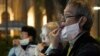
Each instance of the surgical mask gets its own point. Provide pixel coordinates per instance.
(70, 32)
(45, 38)
(24, 41)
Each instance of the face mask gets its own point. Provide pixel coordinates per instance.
(70, 32)
(44, 38)
(24, 41)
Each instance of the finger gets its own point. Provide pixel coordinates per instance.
(54, 31)
(57, 33)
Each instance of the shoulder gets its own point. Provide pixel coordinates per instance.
(91, 46)
(14, 48)
(11, 52)
(90, 49)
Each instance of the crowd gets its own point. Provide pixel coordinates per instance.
(69, 38)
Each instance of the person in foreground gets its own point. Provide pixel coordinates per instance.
(77, 23)
(25, 46)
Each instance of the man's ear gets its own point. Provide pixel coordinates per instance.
(82, 21)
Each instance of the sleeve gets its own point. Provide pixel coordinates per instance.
(52, 51)
(12, 52)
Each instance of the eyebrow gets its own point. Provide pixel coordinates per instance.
(68, 13)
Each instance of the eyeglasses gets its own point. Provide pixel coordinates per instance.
(65, 17)
(76, 16)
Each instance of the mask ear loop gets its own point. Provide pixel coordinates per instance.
(82, 21)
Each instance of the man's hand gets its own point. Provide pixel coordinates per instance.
(55, 37)
(41, 46)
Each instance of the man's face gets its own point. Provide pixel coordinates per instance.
(69, 15)
(70, 24)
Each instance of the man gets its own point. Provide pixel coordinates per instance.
(46, 39)
(26, 45)
(77, 24)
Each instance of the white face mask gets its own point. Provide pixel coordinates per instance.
(44, 36)
(24, 41)
(70, 32)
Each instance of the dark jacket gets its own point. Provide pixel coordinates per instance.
(84, 46)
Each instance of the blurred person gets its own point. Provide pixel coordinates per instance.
(78, 20)
(25, 46)
(46, 39)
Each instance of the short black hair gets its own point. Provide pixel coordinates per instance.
(30, 30)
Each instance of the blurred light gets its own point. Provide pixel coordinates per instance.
(31, 17)
(0, 20)
(11, 32)
(9, 11)
(1, 11)
(44, 19)
(96, 8)
(11, 14)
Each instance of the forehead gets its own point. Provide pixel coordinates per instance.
(69, 10)
(26, 33)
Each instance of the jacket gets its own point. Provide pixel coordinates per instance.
(19, 51)
(85, 45)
